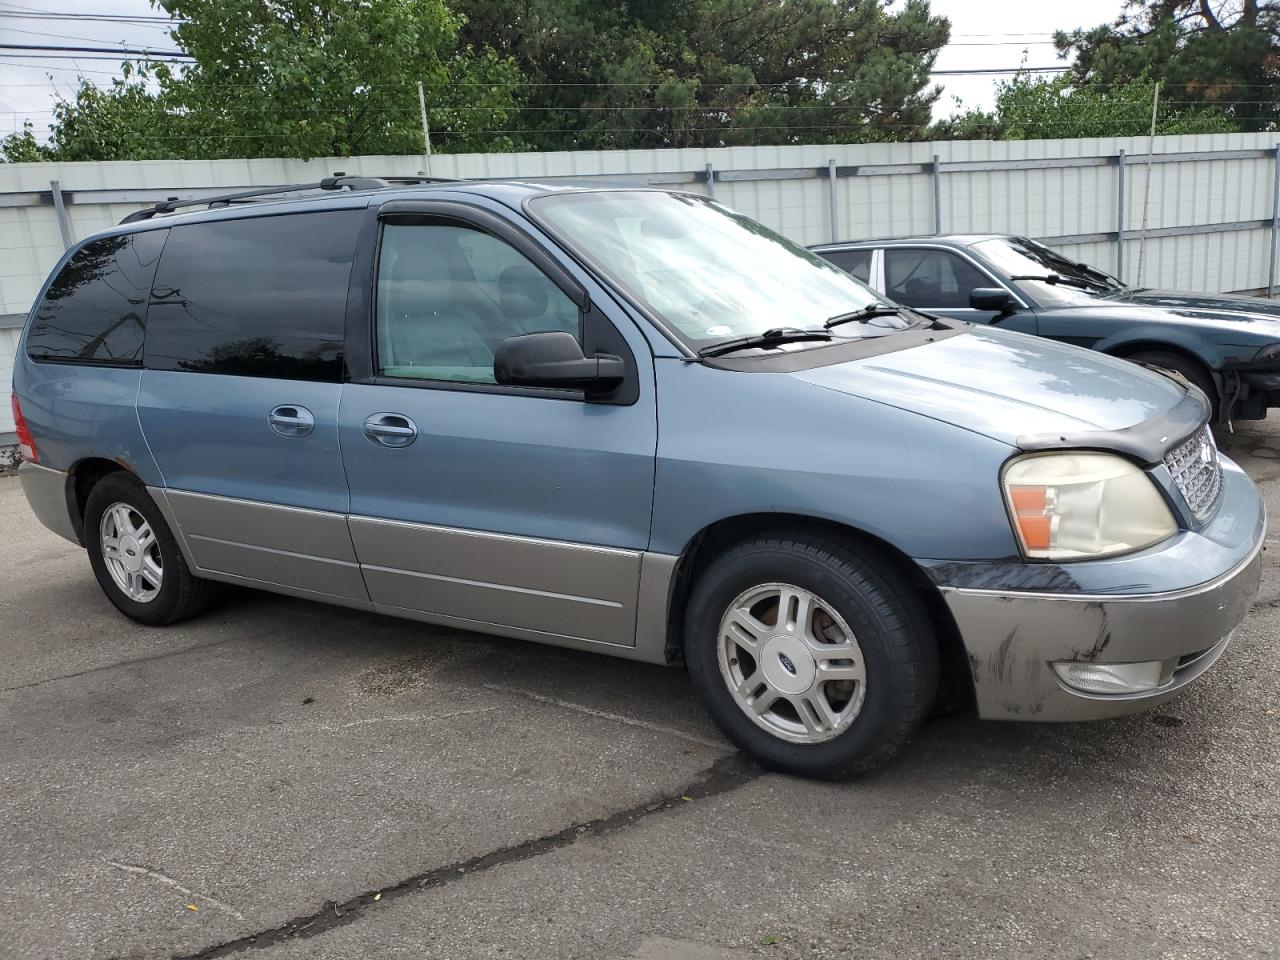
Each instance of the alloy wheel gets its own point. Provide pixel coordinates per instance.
(131, 552)
(791, 663)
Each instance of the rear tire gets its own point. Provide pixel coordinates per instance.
(1196, 374)
(763, 688)
(135, 557)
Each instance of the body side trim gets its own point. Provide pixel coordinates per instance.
(519, 582)
(489, 585)
(297, 530)
(645, 655)
(161, 496)
(524, 587)
(653, 605)
(288, 591)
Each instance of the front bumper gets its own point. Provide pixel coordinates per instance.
(1014, 636)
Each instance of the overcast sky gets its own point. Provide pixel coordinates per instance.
(985, 34)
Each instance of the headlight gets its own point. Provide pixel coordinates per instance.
(1070, 505)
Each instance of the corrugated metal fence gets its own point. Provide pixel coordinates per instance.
(1208, 202)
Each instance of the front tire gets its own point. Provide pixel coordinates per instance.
(135, 557)
(810, 655)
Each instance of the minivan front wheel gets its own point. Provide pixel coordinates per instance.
(135, 557)
(810, 655)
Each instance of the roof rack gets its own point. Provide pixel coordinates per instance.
(339, 181)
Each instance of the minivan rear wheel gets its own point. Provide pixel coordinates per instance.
(135, 557)
(810, 655)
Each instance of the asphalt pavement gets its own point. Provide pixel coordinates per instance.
(281, 779)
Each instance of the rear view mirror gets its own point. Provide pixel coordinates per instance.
(554, 359)
(992, 298)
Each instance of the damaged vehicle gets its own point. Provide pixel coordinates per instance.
(1228, 346)
(634, 422)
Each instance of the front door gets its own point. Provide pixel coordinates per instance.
(513, 510)
(239, 398)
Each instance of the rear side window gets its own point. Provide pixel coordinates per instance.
(96, 307)
(260, 297)
(857, 262)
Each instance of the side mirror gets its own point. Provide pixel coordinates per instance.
(554, 359)
(992, 298)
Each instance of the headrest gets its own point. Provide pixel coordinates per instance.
(522, 292)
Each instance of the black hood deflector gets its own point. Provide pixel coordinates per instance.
(1146, 442)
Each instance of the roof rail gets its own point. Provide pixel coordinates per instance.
(339, 181)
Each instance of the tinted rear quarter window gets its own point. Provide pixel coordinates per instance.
(258, 297)
(95, 309)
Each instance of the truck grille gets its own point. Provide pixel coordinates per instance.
(1197, 472)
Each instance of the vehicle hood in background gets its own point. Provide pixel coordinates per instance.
(1006, 385)
(1250, 316)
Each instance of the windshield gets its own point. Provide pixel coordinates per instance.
(1018, 256)
(709, 274)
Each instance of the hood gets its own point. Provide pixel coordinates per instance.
(1006, 385)
(1247, 316)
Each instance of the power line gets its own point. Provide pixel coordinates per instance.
(55, 36)
(60, 49)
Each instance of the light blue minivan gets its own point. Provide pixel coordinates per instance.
(635, 422)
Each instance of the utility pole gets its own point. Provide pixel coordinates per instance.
(426, 127)
(1146, 190)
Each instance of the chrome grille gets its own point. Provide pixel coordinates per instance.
(1197, 472)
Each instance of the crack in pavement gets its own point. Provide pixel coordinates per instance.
(616, 717)
(170, 882)
(728, 773)
(122, 663)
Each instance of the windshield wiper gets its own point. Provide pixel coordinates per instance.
(1056, 278)
(770, 338)
(869, 312)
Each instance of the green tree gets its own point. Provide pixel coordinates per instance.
(1033, 108)
(657, 73)
(291, 78)
(318, 78)
(1220, 55)
(125, 121)
(22, 146)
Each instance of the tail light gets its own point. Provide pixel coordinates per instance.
(26, 443)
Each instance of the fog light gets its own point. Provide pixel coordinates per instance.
(1113, 678)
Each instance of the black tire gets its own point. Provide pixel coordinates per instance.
(1192, 370)
(889, 623)
(181, 595)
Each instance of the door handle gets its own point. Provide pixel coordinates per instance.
(291, 420)
(391, 429)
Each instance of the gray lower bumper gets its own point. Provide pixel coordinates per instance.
(1013, 638)
(46, 491)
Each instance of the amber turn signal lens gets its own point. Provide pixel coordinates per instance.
(1028, 501)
